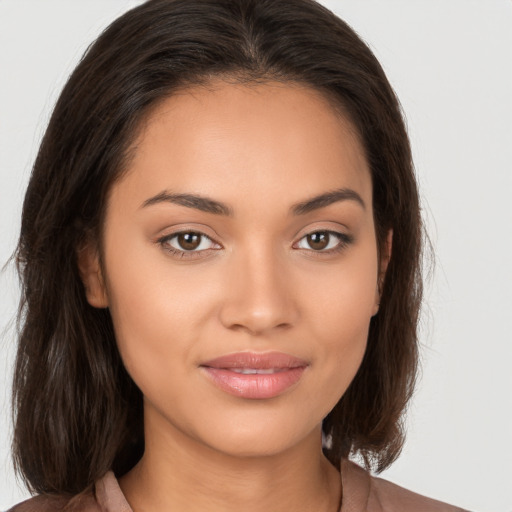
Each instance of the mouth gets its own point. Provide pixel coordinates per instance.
(255, 376)
(257, 371)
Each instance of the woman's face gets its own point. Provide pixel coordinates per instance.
(240, 265)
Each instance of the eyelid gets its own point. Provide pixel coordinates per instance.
(182, 254)
(344, 241)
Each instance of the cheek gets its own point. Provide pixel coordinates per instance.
(342, 297)
(342, 306)
(154, 320)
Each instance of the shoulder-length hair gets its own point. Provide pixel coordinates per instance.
(77, 412)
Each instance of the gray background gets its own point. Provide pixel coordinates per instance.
(450, 62)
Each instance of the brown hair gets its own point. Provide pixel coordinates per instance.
(77, 412)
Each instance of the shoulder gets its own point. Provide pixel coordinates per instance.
(365, 493)
(106, 496)
(84, 503)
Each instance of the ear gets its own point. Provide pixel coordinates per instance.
(385, 256)
(92, 278)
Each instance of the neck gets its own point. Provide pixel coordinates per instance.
(180, 474)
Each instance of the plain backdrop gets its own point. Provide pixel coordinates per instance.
(450, 62)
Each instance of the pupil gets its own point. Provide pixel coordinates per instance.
(318, 240)
(189, 241)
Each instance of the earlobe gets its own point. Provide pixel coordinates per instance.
(92, 278)
(385, 257)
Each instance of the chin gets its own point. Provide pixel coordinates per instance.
(264, 436)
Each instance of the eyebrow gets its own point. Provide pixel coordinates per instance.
(208, 205)
(205, 204)
(326, 199)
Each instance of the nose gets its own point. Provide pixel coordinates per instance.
(259, 295)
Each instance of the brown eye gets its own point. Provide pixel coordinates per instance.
(325, 241)
(318, 240)
(189, 241)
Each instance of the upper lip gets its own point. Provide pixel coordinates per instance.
(256, 360)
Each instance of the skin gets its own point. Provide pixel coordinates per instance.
(255, 284)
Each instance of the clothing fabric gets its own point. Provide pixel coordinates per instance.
(361, 493)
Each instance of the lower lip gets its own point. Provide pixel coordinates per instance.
(254, 386)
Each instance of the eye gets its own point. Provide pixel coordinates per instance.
(186, 242)
(324, 241)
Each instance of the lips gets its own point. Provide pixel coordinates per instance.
(255, 376)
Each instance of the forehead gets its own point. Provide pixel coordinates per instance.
(225, 138)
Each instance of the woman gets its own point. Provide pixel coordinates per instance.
(220, 260)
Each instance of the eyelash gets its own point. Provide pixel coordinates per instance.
(344, 241)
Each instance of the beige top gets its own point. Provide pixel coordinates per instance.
(361, 493)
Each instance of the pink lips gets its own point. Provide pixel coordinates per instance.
(255, 376)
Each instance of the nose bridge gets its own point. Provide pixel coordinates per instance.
(258, 297)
